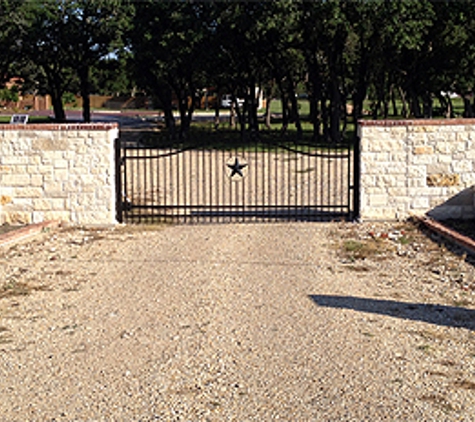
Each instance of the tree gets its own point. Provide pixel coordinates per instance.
(325, 30)
(8, 31)
(387, 51)
(46, 44)
(66, 39)
(169, 42)
(452, 43)
(15, 19)
(280, 52)
(94, 29)
(112, 76)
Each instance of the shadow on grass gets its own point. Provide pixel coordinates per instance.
(204, 138)
(442, 315)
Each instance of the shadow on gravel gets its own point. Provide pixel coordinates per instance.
(449, 316)
(456, 227)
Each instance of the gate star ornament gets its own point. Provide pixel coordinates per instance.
(236, 167)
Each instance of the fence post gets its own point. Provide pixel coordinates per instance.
(356, 178)
(118, 181)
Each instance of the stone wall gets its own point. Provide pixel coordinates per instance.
(57, 172)
(414, 167)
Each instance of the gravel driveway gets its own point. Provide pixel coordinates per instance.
(294, 322)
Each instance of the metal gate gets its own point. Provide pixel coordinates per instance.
(258, 181)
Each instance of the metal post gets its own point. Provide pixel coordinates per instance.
(356, 178)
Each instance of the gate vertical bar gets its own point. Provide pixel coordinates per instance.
(145, 185)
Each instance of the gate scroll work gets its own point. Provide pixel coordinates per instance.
(259, 181)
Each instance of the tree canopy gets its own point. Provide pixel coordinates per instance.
(351, 58)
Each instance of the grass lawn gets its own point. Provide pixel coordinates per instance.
(5, 118)
(203, 136)
(304, 107)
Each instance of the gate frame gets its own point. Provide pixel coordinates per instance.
(122, 205)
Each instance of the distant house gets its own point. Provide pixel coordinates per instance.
(24, 101)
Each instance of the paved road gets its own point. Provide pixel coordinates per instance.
(130, 118)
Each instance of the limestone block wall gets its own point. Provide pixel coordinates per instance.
(417, 167)
(57, 172)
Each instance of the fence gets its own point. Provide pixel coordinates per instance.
(67, 172)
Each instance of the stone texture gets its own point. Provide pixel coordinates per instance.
(423, 149)
(443, 180)
(43, 166)
(414, 167)
(5, 199)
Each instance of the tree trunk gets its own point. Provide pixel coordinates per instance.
(190, 109)
(285, 108)
(268, 113)
(216, 111)
(56, 99)
(239, 113)
(335, 110)
(386, 107)
(170, 121)
(415, 105)
(393, 101)
(314, 88)
(184, 121)
(285, 113)
(295, 111)
(164, 95)
(86, 102)
(57, 102)
(443, 105)
(232, 116)
(428, 106)
(325, 120)
(252, 109)
(467, 107)
(450, 108)
(405, 109)
(357, 112)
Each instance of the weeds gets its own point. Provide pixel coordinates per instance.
(465, 384)
(5, 335)
(439, 400)
(14, 288)
(364, 249)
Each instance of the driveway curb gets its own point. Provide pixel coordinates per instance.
(451, 235)
(15, 236)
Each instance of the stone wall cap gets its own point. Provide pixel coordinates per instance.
(59, 126)
(417, 122)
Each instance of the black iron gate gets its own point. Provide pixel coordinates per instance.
(258, 181)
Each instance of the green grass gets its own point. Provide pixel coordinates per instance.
(457, 104)
(304, 108)
(5, 118)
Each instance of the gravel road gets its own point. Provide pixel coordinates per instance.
(293, 322)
